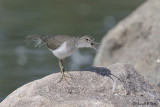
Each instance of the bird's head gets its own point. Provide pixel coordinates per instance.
(86, 42)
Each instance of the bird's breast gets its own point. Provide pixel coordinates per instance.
(64, 51)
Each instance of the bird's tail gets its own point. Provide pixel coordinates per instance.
(40, 40)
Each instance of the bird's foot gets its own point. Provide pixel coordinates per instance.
(64, 77)
(70, 76)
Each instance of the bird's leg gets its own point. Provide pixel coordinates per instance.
(61, 66)
(62, 71)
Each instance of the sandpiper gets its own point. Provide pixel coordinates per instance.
(63, 46)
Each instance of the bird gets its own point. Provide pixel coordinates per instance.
(63, 46)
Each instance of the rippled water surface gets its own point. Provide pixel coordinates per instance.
(21, 63)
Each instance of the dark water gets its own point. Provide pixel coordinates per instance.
(21, 63)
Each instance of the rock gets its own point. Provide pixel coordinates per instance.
(135, 41)
(90, 88)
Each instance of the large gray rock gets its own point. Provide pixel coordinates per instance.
(90, 88)
(135, 41)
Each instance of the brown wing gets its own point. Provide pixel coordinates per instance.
(55, 41)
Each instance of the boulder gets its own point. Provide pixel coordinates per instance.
(94, 87)
(136, 41)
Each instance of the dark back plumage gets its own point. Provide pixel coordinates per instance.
(52, 42)
(55, 41)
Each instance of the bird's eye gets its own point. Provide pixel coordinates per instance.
(86, 39)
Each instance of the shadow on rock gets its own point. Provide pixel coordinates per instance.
(101, 71)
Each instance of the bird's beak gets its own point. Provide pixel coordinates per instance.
(93, 43)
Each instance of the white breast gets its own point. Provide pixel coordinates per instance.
(63, 51)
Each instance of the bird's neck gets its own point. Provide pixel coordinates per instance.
(78, 43)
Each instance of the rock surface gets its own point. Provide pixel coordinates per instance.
(135, 41)
(90, 88)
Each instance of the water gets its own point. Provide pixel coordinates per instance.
(21, 63)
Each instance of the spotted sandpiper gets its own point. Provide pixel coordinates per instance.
(63, 46)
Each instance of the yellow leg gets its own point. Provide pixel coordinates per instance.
(61, 66)
(62, 71)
